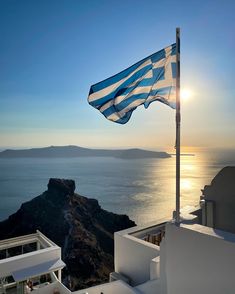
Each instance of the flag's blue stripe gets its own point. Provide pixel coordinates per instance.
(123, 104)
(161, 91)
(129, 100)
(112, 80)
(158, 56)
(137, 80)
(173, 50)
(158, 74)
(158, 93)
(129, 81)
(107, 112)
(162, 100)
(119, 107)
(126, 117)
(118, 77)
(173, 69)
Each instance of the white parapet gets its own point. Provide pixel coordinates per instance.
(133, 256)
(197, 259)
(155, 268)
(117, 287)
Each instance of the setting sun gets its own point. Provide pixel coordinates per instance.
(185, 94)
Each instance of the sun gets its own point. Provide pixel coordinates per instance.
(185, 94)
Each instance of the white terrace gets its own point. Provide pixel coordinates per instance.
(191, 259)
(27, 257)
(159, 258)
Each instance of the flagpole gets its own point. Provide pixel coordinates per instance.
(177, 119)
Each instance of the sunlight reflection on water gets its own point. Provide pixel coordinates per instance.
(144, 189)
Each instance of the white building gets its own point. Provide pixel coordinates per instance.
(157, 258)
(32, 257)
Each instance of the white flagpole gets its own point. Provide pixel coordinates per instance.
(178, 119)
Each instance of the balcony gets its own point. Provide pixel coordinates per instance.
(32, 257)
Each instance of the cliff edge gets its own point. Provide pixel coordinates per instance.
(77, 224)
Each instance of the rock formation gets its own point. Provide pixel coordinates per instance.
(77, 224)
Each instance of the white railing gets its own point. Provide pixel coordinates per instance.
(133, 257)
(52, 288)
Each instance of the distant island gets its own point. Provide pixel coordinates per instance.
(76, 151)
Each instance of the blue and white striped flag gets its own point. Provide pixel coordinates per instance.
(151, 79)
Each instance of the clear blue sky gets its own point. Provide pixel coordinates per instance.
(52, 51)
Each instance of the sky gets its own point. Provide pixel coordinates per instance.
(51, 52)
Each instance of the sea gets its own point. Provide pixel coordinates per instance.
(144, 189)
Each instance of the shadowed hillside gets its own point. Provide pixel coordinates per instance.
(77, 224)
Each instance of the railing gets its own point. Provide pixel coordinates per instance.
(152, 234)
(52, 288)
(135, 248)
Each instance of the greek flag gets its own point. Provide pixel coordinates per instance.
(151, 79)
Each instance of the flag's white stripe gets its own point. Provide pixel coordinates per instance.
(113, 117)
(148, 75)
(138, 90)
(99, 94)
(163, 84)
(149, 82)
(119, 99)
(159, 63)
(134, 104)
(168, 51)
(168, 69)
(117, 115)
(170, 97)
(168, 79)
(109, 89)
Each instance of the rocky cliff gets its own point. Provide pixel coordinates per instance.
(78, 224)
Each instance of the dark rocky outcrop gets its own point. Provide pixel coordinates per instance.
(78, 224)
(221, 193)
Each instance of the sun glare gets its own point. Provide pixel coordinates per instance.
(185, 94)
(186, 184)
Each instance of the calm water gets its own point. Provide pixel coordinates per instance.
(144, 189)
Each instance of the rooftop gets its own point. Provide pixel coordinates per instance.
(27, 257)
(157, 258)
(24, 244)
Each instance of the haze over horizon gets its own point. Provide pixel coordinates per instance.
(53, 51)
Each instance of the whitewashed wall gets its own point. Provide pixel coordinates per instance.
(198, 260)
(132, 257)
